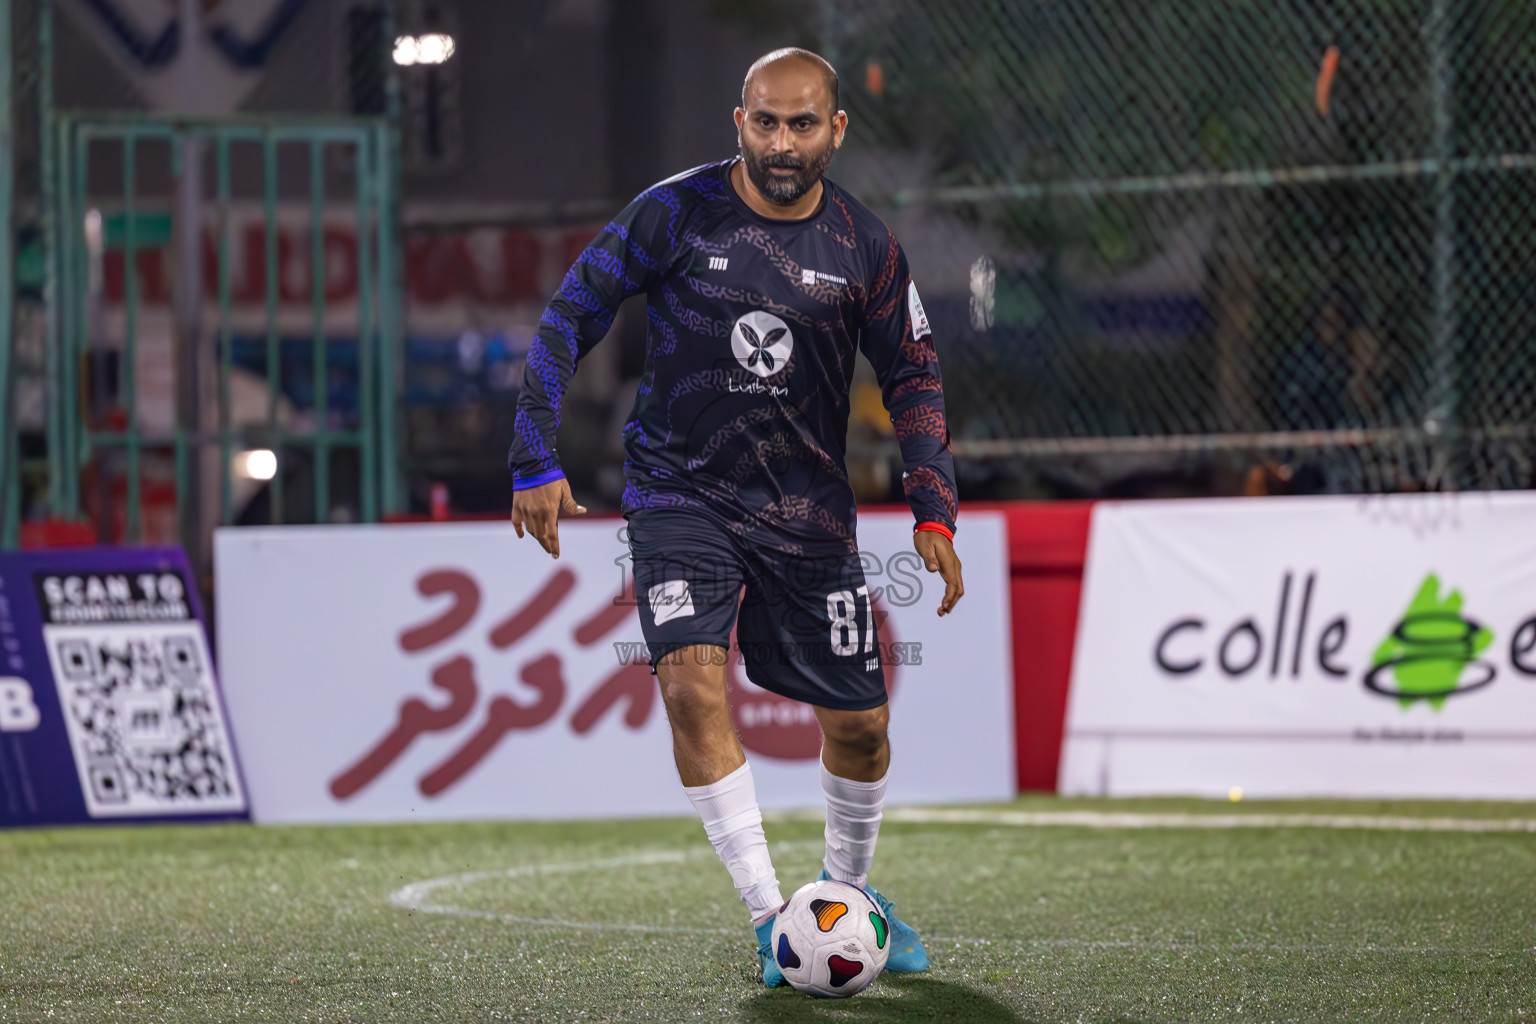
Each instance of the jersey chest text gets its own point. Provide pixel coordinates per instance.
(751, 268)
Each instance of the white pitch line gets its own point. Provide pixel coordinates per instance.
(419, 896)
(1132, 820)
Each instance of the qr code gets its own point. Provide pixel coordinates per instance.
(144, 719)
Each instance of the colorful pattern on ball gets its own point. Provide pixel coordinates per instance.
(843, 970)
(830, 939)
(827, 912)
(881, 929)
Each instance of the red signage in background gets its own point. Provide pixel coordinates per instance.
(494, 266)
(456, 677)
(770, 725)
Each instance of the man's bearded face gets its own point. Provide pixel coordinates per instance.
(785, 177)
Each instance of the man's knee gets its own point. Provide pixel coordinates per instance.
(857, 733)
(692, 687)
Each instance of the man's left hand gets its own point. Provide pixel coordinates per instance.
(939, 556)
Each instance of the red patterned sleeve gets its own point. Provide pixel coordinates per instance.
(899, 345)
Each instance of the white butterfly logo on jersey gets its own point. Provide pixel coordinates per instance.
(762, 343)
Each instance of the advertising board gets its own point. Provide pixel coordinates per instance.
(452, 671)
(109, 705)
(1334, 646)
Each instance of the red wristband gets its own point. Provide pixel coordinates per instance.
(935, 528)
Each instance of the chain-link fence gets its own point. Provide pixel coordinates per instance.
(1277, 245)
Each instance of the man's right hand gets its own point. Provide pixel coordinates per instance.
(540, 510)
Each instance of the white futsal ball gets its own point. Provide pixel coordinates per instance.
(831, 939)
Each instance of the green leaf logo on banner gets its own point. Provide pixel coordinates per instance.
(1429, 651)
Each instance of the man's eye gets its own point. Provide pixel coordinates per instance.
(765, 122)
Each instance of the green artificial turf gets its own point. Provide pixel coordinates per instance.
(1024, 923)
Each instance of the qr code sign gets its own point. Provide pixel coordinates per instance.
(144, 719)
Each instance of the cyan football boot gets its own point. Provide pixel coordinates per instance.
(772, 976)
(907, 954)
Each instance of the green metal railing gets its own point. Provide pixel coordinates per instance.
(75, 436)
(65, 198)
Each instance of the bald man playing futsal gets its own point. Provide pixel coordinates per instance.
(764, 280)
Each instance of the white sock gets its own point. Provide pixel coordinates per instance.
(734, 825)
(853, 824)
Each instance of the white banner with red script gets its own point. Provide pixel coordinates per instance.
(452, 671)
(1330, 646)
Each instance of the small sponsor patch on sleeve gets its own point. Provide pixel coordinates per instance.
(915, 307)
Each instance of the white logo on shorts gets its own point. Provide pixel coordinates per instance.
(671, 600)
(762, 343)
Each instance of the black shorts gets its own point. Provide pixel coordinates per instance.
(807, 630)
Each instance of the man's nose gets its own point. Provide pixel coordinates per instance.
(783, 140)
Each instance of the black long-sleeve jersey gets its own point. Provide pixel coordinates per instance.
(753, 323)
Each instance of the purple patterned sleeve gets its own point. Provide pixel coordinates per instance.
(899, 345)
(626, 258)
